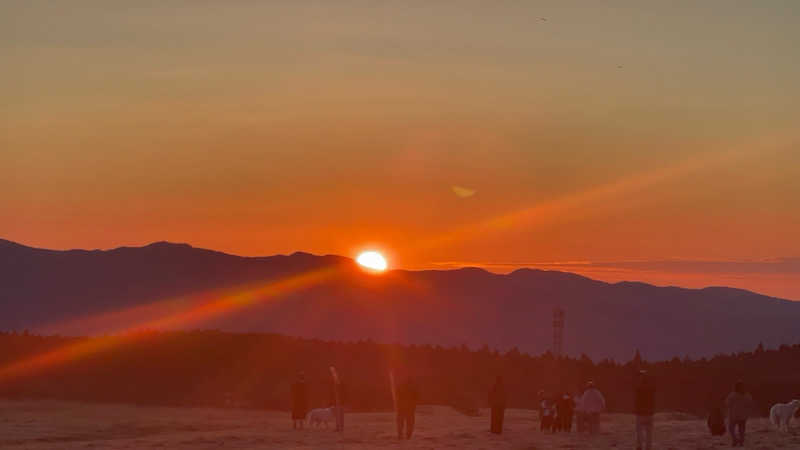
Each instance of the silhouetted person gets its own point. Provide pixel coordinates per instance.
(716, 421)
(556, 424)
(497, 401)
(565, 408)
(739, 404)
(593, 403)
(337, 398)
(299, 401)
(540, 397)
(580, 415)
(407, 398)
(548, 412)
(644, 408)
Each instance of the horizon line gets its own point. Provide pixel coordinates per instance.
(460, 265)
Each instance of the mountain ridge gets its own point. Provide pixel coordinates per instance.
(466, 306)
(300, 253)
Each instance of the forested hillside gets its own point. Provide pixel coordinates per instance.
(255, 371)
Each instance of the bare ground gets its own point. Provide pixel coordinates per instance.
(70, 425)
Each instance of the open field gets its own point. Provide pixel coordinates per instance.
(68, 425)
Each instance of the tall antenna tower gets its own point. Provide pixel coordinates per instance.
(558, 331)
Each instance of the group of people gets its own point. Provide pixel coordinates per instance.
(737, 408)
(555, 412)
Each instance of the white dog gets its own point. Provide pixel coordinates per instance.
(320, 415)
(781, 413)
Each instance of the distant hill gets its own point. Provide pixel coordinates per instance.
(53, 291)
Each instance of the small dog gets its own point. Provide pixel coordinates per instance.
(781, 413)
(319, 416)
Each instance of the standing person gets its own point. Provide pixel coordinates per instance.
(497, 401)
(716, 421)
(299, 401)
(556, 427)
(565, 409)
(547, 412)
(407, 398)
(738, 403)
(540, 396)
(338, 393)
(644, 408)
(593, 403)
(580, 416)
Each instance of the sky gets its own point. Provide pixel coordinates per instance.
(623, 140)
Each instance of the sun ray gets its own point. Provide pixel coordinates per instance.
(196, 310)
(560, 209)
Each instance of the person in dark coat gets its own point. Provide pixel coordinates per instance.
(644, 408)
(407, 398)
(716, 421)
(497, 401)
(555, 425)
(299, 401)
(565, 408)
(739, 405)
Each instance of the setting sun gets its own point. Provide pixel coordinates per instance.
(372, 260)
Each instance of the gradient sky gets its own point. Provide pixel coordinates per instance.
(654, 142)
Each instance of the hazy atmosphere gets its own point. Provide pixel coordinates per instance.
(424, 224)
(656, 144)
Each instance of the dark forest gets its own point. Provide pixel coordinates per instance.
(212, 368)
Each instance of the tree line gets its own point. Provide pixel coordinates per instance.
(214, 368)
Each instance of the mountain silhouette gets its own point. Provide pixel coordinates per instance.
(79, 291)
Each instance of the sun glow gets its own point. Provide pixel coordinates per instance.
(372, 260)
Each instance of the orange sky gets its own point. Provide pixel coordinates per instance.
(615, 135)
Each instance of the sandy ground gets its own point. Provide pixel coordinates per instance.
(67, 425)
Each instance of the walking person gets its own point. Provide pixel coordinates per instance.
(644, 408)
(407, 398)
(593, 403)
(299, 401)
(497, 401)
(739, 405)
(338, 393)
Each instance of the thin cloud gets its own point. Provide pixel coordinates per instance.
(463, 192)
(782, 265)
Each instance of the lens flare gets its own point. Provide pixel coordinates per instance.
(179, 313)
